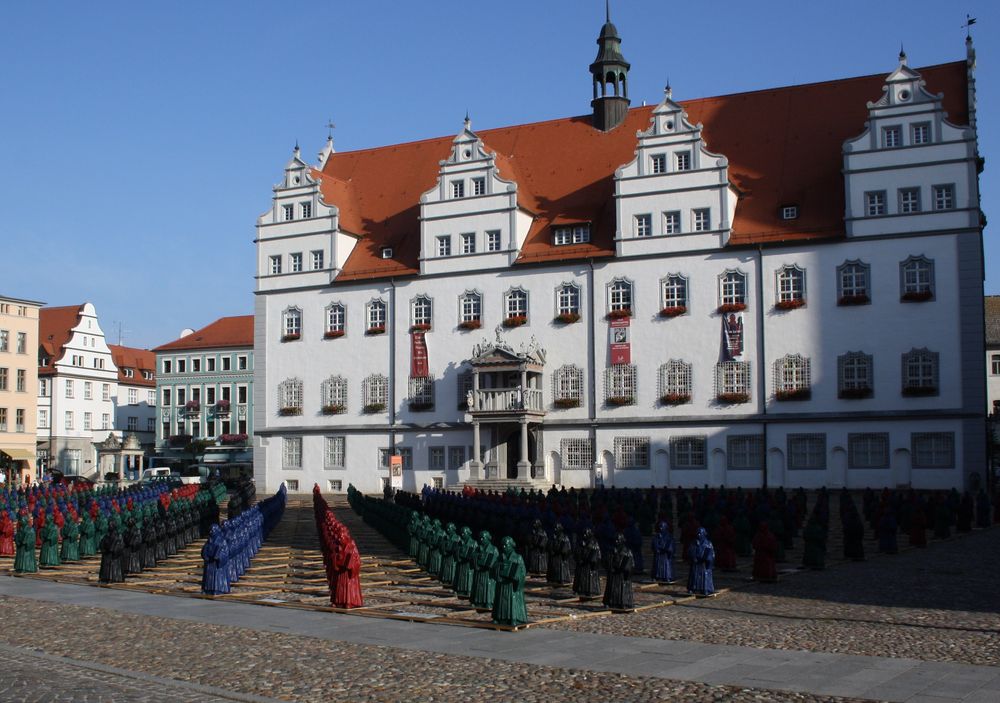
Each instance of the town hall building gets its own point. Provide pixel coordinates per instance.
(780, 287)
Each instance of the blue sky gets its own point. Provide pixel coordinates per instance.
(141, 139)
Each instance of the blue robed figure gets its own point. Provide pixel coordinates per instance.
(663, 553)
(702, 554)
(215, 578)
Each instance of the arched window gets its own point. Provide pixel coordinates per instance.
(568, 302)
(470, 310)
(854, 375)
(791, 378)
(290, 397)
(567, 387)
(620, 296)
(291, 324)
(791, 287)
(916, 278)
(732, 291)
(336, 320)
(920, 372)
(853, 283)
(674, 289)
(732, 381)
(333, 394)
(675, 382)
(376, 317)
(421, 312)
(515, 307)
(375, 393)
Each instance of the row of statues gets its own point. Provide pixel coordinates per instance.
(341, 558)
(232, 545)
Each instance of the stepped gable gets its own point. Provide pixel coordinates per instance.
(54, 331)
(784, 145)
(225, 332)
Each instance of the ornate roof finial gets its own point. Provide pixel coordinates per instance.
(468, 122)
(969, 21)
(296, 149)
(668, 92)
(902, 54)
(607, 10)
(330, 126)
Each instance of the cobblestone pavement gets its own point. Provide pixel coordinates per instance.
(289, 667)
(936, 604)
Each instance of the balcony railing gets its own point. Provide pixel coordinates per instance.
(506, 400)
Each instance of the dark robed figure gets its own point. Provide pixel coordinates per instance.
(618, 592)
(449, 546)
(587, 580)
(88, 545)
(560, 550)
(24, 558)
(70, 550)
(483, 581)
(765, 550)
(538, 558)
(112, 548)
(466, 563)
(49, 553)
(663, 553)
(702, 556)
(508, 604)
(215, 577)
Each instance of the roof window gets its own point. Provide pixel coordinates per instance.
(386, 252)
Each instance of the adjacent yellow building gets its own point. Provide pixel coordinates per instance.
(18, 388)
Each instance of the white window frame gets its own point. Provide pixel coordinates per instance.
(875, 203)
(674, 381)
(920, 133)
(933, 450)
(790, 284)
(421, 391)
(443, 246)
(916, 276)
(658, 164)
(921, 371)
(892, 137)
(632, 453)
(275, 266)
(568, 299)
(567, 385)
(733, 287)
(792, 374)
(733, 377)
(855, 374)
(683, 160)
(620, 384)
(306, 209)
(944, 196)
(333, 392)
(295, 262)
(493, 242)
(854, 281)
(673, 291)
(375, 391)
(643, 225)
(468, 240)
(744, 452)
(457, 189)
(335, 452)
(515, 303)
(672, 222)
(909, 201)
(421, 311)
(288, 212)
(336, 318)
(701, 219)
(290, 394)
(291, 323)
(790, 212)
(470, 306)
(375, 314)
(316, 256)
(571, 234)
(291, 453)
(621, 295)
(478, 185)
(576, 453)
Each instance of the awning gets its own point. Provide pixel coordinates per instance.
(19, 454)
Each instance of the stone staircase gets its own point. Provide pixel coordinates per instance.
(502, 484)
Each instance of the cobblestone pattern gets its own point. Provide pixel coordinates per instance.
(28, 677)
(935, 604)
(296, 668)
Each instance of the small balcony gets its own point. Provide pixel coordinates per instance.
(507, 401)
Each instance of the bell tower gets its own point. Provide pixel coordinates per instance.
(610, 73)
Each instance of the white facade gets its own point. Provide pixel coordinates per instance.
(863, 352)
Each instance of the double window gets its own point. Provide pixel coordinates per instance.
(576, 234)
(291, 453)
(335, 454)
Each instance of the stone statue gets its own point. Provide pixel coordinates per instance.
(49, 554)
(470, 400)
(508, 605)
(702, 557)
(347, 567)
(112, 548)
(434, 556)
(538, 558)
(6, 534)
(467, 553)
(449, 546)
(765, 551)
(663, 554)
(88, 546)
(618, 593)
(24, 558)
(215, 575)
(70, 550)
(413, 530)
(134, 548)
(484, 579)
(587, 580)
(559, 552)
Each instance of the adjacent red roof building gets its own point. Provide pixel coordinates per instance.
(225, 332)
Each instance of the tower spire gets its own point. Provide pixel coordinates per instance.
(609, 72)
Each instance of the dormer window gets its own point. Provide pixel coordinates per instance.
(920, 133)
(658, 163)
(458, 189)
(386, 252)
(479, 186)
(577, 234)
(682, 161)
(891, 137)
(288, 212)
(790, 212)
(307, 210)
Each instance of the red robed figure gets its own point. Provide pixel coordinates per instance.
(765, 549)
(347, 565)
(6, 535)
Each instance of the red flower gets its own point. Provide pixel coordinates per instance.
(620, 314)
(470, 324)
(860, 299)
(291, 337)
(916, 296)
(568, 318)
(792, 304)
(732, 307)
(733, 397)
(673, 310)
(793, 394)
(375, 330)
(333, 334)
(515, 321)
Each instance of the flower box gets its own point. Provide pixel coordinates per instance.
(333, 334)
(860, 299)
(231, 439)
(178, 440)
(515, 321)
(919, 391)
(289, 411)
(567, 318)
(732, 398)
(192, 406)
(420, 406)
(222, 406)
(422, 327)
(374, 408)
(916, 296)
(793, 394)
(620, 314)
(793, 304)
(854, 393)
(375, 330)
(732, 307)
(566, 402)
(290, 337)
(470, 325)
(620, 400)
(675, 398)
(673, 311)
(333, 409)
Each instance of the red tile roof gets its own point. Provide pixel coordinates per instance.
(784, 147)
(224, 332)
(54, 325)
(138, 360)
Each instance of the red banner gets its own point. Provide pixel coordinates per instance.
(418, 356)
(621, 349)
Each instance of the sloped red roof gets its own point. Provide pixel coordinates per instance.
(784, 146)
(138, 360)
(225, 332)
(54, 325)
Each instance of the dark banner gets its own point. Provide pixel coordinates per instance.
(418, 356)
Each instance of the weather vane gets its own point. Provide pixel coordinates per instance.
(969, 21)
(330, 126)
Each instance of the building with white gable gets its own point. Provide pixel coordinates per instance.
(781, 287)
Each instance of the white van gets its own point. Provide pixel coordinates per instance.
(159, 472)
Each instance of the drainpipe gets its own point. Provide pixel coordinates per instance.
(592, 362)
(392, 366)
(761, 359)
